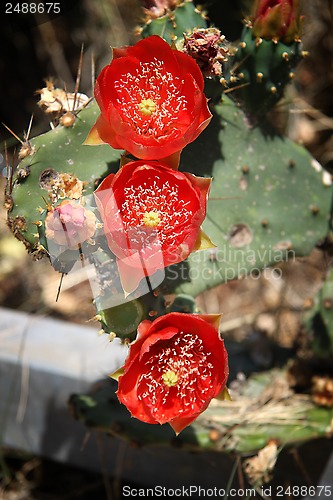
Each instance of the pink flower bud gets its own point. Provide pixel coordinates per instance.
(70, 224)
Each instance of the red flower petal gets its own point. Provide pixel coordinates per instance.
(119, 52)
(165, 334)
(102, 133)
(155, 48)
(190, 67)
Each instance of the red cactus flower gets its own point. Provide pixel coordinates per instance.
(279, 19)
(152, 216)
(69, 224)
(174, 368)
(151, 100)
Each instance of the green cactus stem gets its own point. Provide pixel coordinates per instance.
(318, 320)
(260, 71)
(174, 23)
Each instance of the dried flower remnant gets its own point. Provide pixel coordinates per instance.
(69, 186)
(61, 185)
(58, 102)
(322, 391)
(208, 48)
(259, 468)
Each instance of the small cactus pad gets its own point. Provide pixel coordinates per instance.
(263, 69)
(122, 319)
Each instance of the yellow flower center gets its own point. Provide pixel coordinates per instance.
(147, 107)
(151, 219)
(170, 378)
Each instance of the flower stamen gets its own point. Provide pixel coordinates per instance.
(170, 378)
(147, 107)
(151, 219)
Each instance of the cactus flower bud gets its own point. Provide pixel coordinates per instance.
(276, 19)
(70, 224)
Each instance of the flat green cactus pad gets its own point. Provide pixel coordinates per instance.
(268, 201)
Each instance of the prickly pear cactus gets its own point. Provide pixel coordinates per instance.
(258, 169)
(268, 203)
(268, 200)
(58, 167)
